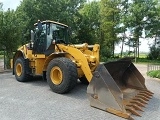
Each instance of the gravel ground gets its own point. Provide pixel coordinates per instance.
(34, 100)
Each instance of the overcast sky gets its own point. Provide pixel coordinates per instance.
(12, 4)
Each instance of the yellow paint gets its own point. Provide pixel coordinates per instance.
(19, 69)
(80, 72)
(39, 63)
(48, 59)
(81, 58)
(56, 75)
(123, 114)
(38, 56)
(84, 56)
(32, 63)
(11, 63)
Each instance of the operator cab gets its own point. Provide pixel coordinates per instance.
(47, 34)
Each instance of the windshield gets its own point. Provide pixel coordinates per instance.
(58, 33)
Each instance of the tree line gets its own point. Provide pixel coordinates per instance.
(106, 22)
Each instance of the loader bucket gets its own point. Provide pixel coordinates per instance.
(119, 88)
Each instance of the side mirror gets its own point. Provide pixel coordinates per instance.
(32, 35)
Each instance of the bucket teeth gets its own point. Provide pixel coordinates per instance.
(135, 106)
(133, 111)
(137, 102)
(144, 92)
(140, 99)
(143, 97)
(148, 91)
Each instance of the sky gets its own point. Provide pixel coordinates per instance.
(12, 4)
(144, 47)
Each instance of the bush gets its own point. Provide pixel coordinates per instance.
(154, 53)
(105, 53)
(1, 52)
(154, 74)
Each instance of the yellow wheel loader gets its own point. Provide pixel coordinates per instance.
(116, 87)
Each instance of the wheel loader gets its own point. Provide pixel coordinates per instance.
(116, 87)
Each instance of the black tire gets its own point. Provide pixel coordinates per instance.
(21, 69)
(68, 75)
(84, 80)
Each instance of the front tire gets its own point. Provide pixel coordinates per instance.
(21, 69)
(61, 75)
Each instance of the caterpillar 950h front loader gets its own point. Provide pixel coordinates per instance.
(116, 87)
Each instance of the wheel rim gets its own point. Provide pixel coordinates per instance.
(19, 69)
(56, 75)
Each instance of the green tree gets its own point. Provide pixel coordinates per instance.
(123, 24)
(9, 32)
(1, 14)
(64, 11)
(109, 25)
(152, 25)
(140, 13)
(154, 53)
(88, 23)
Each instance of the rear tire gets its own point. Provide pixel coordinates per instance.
(61, 75)
(21, 69)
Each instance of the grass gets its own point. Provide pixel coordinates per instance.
(154, 74)
(146, 61)
(142, 58)
(142, 55)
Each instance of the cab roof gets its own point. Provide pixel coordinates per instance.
(49, 21)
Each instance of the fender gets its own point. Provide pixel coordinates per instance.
(17, 54)
(51, 57)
